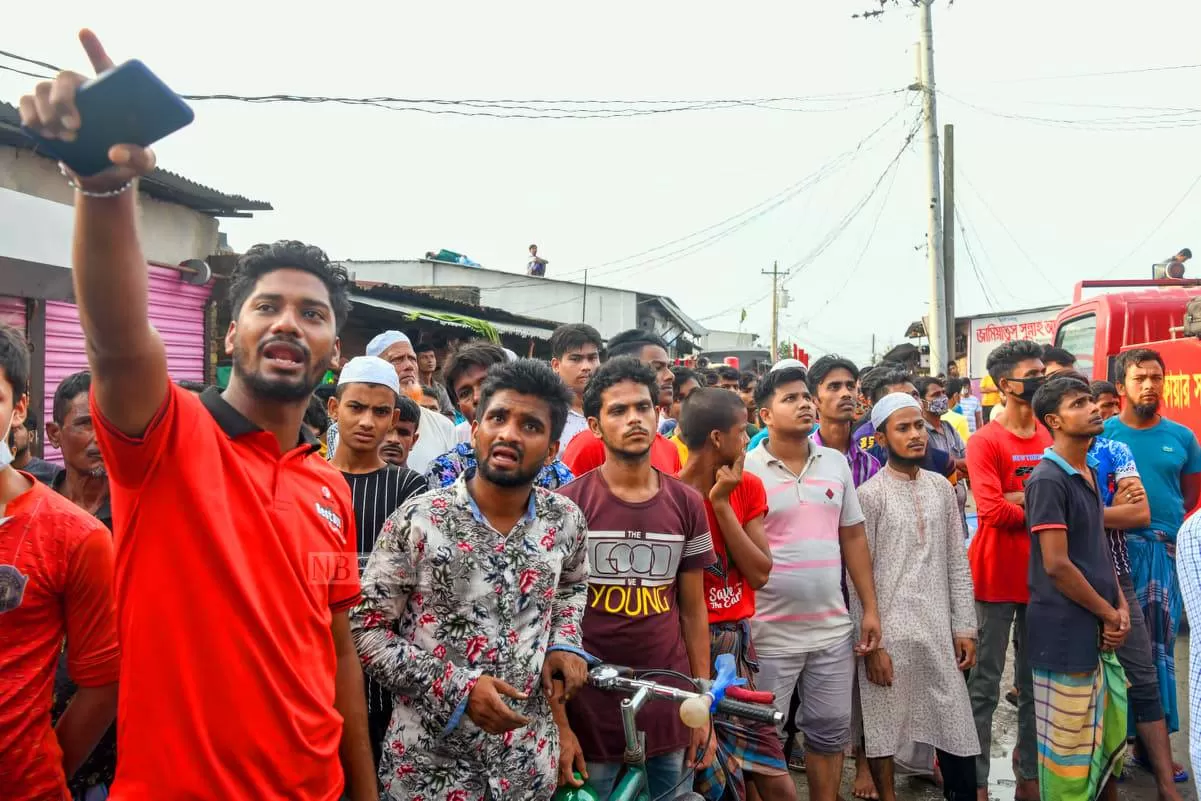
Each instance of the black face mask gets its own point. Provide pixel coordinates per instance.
(1029, 387)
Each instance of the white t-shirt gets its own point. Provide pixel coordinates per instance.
(576, 423)
(436, 435)
(801, 609)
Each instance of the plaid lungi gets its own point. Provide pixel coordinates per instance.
(1081, 723)
(743, 746)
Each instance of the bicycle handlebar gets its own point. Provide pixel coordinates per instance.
(613, 678)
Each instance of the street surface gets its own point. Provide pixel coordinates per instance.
(1137, 787)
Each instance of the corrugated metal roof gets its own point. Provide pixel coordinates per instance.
(160, 184)
(404, 299)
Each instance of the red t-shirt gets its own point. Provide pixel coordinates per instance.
(586, 452)
(999, 461)
(636, 551)
(62, 586)
(730, 597)
(231, 558)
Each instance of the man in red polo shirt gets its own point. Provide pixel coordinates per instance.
(587, 451)
(236, 557)
(56, 567)
(1003, 455)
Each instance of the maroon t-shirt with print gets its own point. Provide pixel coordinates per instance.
(635, 553)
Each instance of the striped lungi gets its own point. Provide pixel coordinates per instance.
(1153, 570)
(1081, 723)
(743, 746)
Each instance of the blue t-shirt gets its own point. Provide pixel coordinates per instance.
(1164, 453)
(755, 440)
(1114, 462)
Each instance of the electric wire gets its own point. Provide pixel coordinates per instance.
(979, 196)
(1158, 225)
(831, 236)
(735, 222)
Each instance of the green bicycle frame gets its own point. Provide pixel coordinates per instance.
(633, 784)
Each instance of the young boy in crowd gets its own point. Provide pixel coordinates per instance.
(714, 420)
(364, 409)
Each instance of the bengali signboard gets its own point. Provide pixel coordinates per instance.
(986, 333)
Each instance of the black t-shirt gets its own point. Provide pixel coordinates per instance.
(375, 496)
(1064, 636)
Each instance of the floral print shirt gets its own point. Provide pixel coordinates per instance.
(460, 459)
(447, 598)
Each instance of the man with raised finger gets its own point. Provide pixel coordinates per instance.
(472, 603)
(235, 540)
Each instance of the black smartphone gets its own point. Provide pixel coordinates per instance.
(126, 105)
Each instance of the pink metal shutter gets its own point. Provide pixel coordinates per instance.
(12, 312)
(176, 312)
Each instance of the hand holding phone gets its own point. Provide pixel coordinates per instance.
(52, 116)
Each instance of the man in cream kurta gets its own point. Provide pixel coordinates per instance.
(912, 689)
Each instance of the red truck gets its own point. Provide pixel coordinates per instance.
(1127, 314)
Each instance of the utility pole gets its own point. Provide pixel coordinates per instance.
(775, 307)
(948, 232)
(873, 349)
(584, 304)
(936, 321)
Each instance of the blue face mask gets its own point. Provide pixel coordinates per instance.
(939, 405)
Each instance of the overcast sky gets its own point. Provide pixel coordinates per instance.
(1063, 174)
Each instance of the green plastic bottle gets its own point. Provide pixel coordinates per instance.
(585, 793)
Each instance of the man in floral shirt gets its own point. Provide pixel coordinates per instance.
(472, 605)
(465, 374)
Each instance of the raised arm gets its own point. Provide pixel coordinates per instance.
(129, 364)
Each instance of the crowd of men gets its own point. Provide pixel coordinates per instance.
(413, 614)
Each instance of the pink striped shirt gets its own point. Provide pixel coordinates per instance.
(801, 609)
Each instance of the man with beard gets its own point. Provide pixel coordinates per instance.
(1002, 457)
(364, 409)
(468, 588)
(23, 441)
(1079, 686)
(735, 502)
(83, 479)
(802, 628)
(56, 574)
(436, 432)
(1169, 463)
(466, 372)
(229, 525)
(912, 687)
(587, 452)
(635, 619)
(575, 350)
